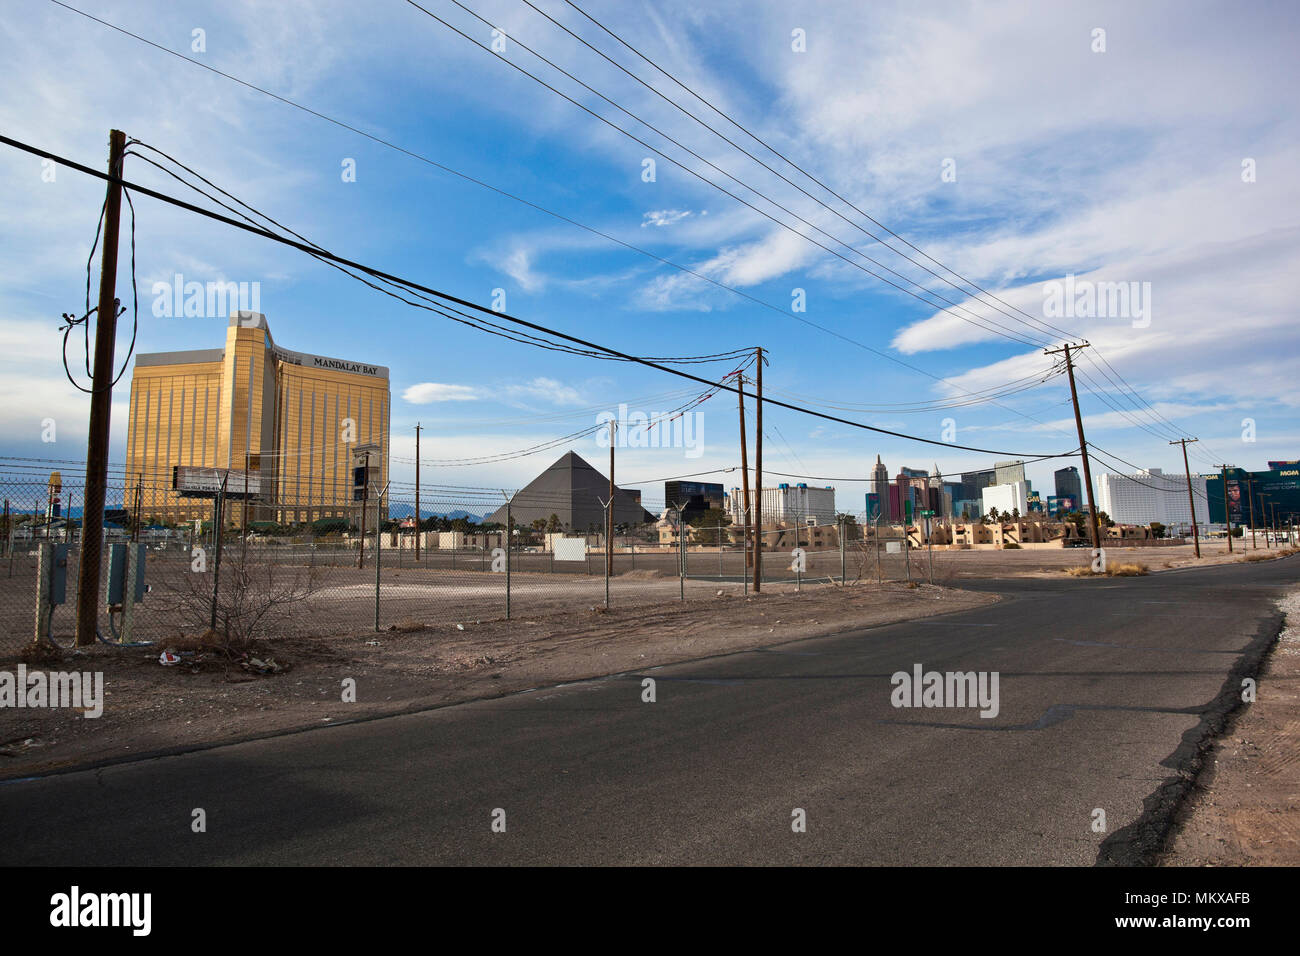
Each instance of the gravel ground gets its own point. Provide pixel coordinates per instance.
(1245, 810)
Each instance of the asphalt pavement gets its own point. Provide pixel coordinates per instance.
(1107, 690)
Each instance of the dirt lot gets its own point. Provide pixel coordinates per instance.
(417, 664)
(1050, 562)
(1245, 810)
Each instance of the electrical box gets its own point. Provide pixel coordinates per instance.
(59, 574)
(117, 572)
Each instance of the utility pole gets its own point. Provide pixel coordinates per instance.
(101, 404)
(1083, 444)
(417, 494)
(1227, 517)
(609, 514)
(1191, 501)
(744, 479)
(758, 476)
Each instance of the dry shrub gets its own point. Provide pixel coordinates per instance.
(1113, 571)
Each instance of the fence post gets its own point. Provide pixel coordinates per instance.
(681, 556)
(842, 565)
(509, 536)
(379, 544)
(44, 563)
(880, 574)
(217, 515)
(907, 548)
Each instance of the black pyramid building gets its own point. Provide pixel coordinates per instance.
(572, 491)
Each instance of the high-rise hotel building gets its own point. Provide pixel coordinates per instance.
(294, 419)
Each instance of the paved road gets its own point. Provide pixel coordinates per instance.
(1105, 688)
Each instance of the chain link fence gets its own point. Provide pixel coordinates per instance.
(346, 573)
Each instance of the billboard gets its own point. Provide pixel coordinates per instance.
(1061, 505)
(1255, 497)
(190, 481)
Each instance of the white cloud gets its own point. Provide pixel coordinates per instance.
(547, 390)
(665, 217)
(426, 393)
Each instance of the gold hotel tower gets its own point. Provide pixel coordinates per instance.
(295, 418)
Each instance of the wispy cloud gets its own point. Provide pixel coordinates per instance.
(426, 393)
(547, 390)
(667, 217)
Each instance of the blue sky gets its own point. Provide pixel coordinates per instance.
(1121, 166)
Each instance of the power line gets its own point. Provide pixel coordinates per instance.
(390, 278)
(796, 166)
(997, 329)
(516, 198)
(775, 172)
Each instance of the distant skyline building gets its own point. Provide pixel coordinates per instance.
(295, 420)
(1008, 472)
(695, 497)
(974, 482)
(1068, 483)
(790, 505)
(1151, 495)
(572, 490)
(879, 486)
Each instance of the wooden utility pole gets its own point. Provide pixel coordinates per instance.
(1083, 443)
(744, 477)
(758, 476)
(417, 492)
(1191, 501)
(609, 517)
(101, 404)
(1227, 516)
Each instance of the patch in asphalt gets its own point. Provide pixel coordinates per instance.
(1139, 647)
(1055, 714)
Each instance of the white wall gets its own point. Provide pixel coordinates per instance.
(1006, 498)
